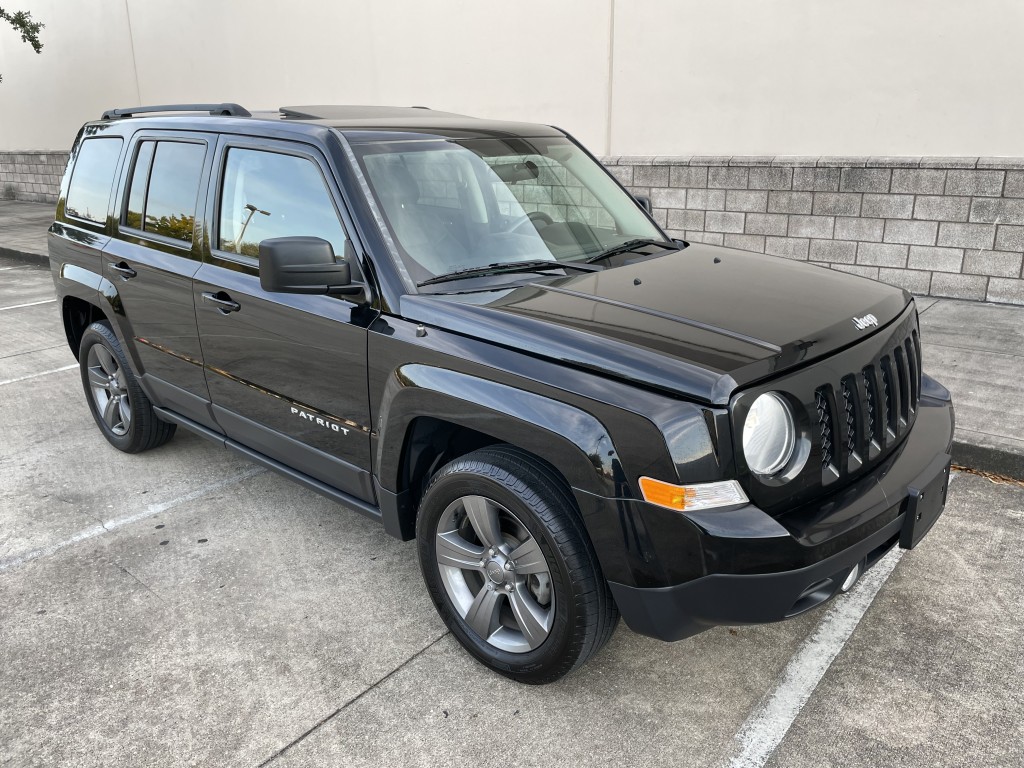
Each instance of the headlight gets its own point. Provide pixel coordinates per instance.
(769, 435)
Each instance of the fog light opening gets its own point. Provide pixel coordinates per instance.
(851, 578)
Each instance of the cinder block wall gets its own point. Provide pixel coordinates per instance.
(936, 226)
(32, 176)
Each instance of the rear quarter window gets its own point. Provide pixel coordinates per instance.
(92, 179)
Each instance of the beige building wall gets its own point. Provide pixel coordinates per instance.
(818, 77)
(647, 77)
(531, 60)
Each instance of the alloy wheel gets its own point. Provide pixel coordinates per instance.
(109, 387)
(495, 574)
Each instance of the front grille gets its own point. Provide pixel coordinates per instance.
(850, 407)
(866, 412)
(869, 382)
(824, 425)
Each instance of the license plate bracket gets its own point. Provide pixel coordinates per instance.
(925, 502)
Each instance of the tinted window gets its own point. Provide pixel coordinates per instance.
(170, 208)
(92, 178)
(266, 194)
(140, 178)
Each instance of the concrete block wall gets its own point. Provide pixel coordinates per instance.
(951, 227)
(32, 176)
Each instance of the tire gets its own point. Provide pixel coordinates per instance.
(535, 606)
(120, 407)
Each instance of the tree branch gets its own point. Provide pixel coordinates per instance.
(22, 23)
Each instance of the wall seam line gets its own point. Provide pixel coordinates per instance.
(611, 76)
(135, 66)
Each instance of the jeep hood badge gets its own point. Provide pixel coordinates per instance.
(865, 322)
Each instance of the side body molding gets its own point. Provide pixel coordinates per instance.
(563, 435)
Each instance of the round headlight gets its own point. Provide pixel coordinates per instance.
(769, 435)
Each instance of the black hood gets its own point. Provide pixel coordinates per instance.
(701, 322)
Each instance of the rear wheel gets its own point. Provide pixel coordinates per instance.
(120, 407)
(509, 566)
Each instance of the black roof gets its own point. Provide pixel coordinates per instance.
(358, 123)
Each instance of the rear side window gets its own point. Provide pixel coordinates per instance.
(268, 194)
(164, 187)
(92, 178)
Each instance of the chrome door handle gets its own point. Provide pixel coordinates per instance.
(222, 301)
(123, 270)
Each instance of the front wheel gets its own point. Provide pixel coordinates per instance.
(507, 561)
(120, 407)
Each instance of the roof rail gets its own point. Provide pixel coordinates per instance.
(227, 109)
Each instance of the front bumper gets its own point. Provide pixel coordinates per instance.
(753, 568)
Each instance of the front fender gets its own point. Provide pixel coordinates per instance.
(570, 439)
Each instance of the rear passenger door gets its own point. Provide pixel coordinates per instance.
(151, 262)
(287, 372)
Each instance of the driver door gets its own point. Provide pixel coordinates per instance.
(286, 372)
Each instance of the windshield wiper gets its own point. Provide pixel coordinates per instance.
(630, 245)
(501, 268)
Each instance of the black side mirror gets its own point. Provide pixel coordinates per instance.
(644, 202)
(304, 265)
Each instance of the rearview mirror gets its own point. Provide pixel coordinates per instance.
(304, 265)
(513, 173)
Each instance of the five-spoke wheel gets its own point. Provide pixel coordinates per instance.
(495, 574)
(109, 389)
(120, 407)
(508, 564)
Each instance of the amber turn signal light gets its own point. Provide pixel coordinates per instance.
(688, 498)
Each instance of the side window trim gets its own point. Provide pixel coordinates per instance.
(215, 201)
(124, 188)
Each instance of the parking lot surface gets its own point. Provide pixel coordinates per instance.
(182, 607)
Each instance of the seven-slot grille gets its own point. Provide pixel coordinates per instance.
(868, 411)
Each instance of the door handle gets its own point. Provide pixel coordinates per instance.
(123, 270)
(222, 301)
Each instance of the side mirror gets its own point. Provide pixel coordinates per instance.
(643, 202)
(304, 265)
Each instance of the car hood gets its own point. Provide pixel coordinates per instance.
(701, 322)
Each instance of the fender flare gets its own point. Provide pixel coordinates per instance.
(573, 441)
(92, 288)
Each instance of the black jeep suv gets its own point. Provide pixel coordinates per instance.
(469, 331)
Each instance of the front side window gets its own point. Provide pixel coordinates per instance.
(164, 188)
(92, 178)
(269, 194)
(454, 205)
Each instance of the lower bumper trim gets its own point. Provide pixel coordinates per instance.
(681, 611)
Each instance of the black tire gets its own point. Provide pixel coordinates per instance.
(582, 613)
(132, 425)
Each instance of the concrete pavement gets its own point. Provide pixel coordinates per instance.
(23, 230)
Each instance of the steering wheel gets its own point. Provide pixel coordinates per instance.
(531, 216)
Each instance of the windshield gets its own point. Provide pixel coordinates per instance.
(461, 205)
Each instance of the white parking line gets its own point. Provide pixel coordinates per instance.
(34, 375)
(30, 304)
(111, 525)
(769, 723)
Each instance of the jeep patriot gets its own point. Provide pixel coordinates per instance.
(468, 331)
